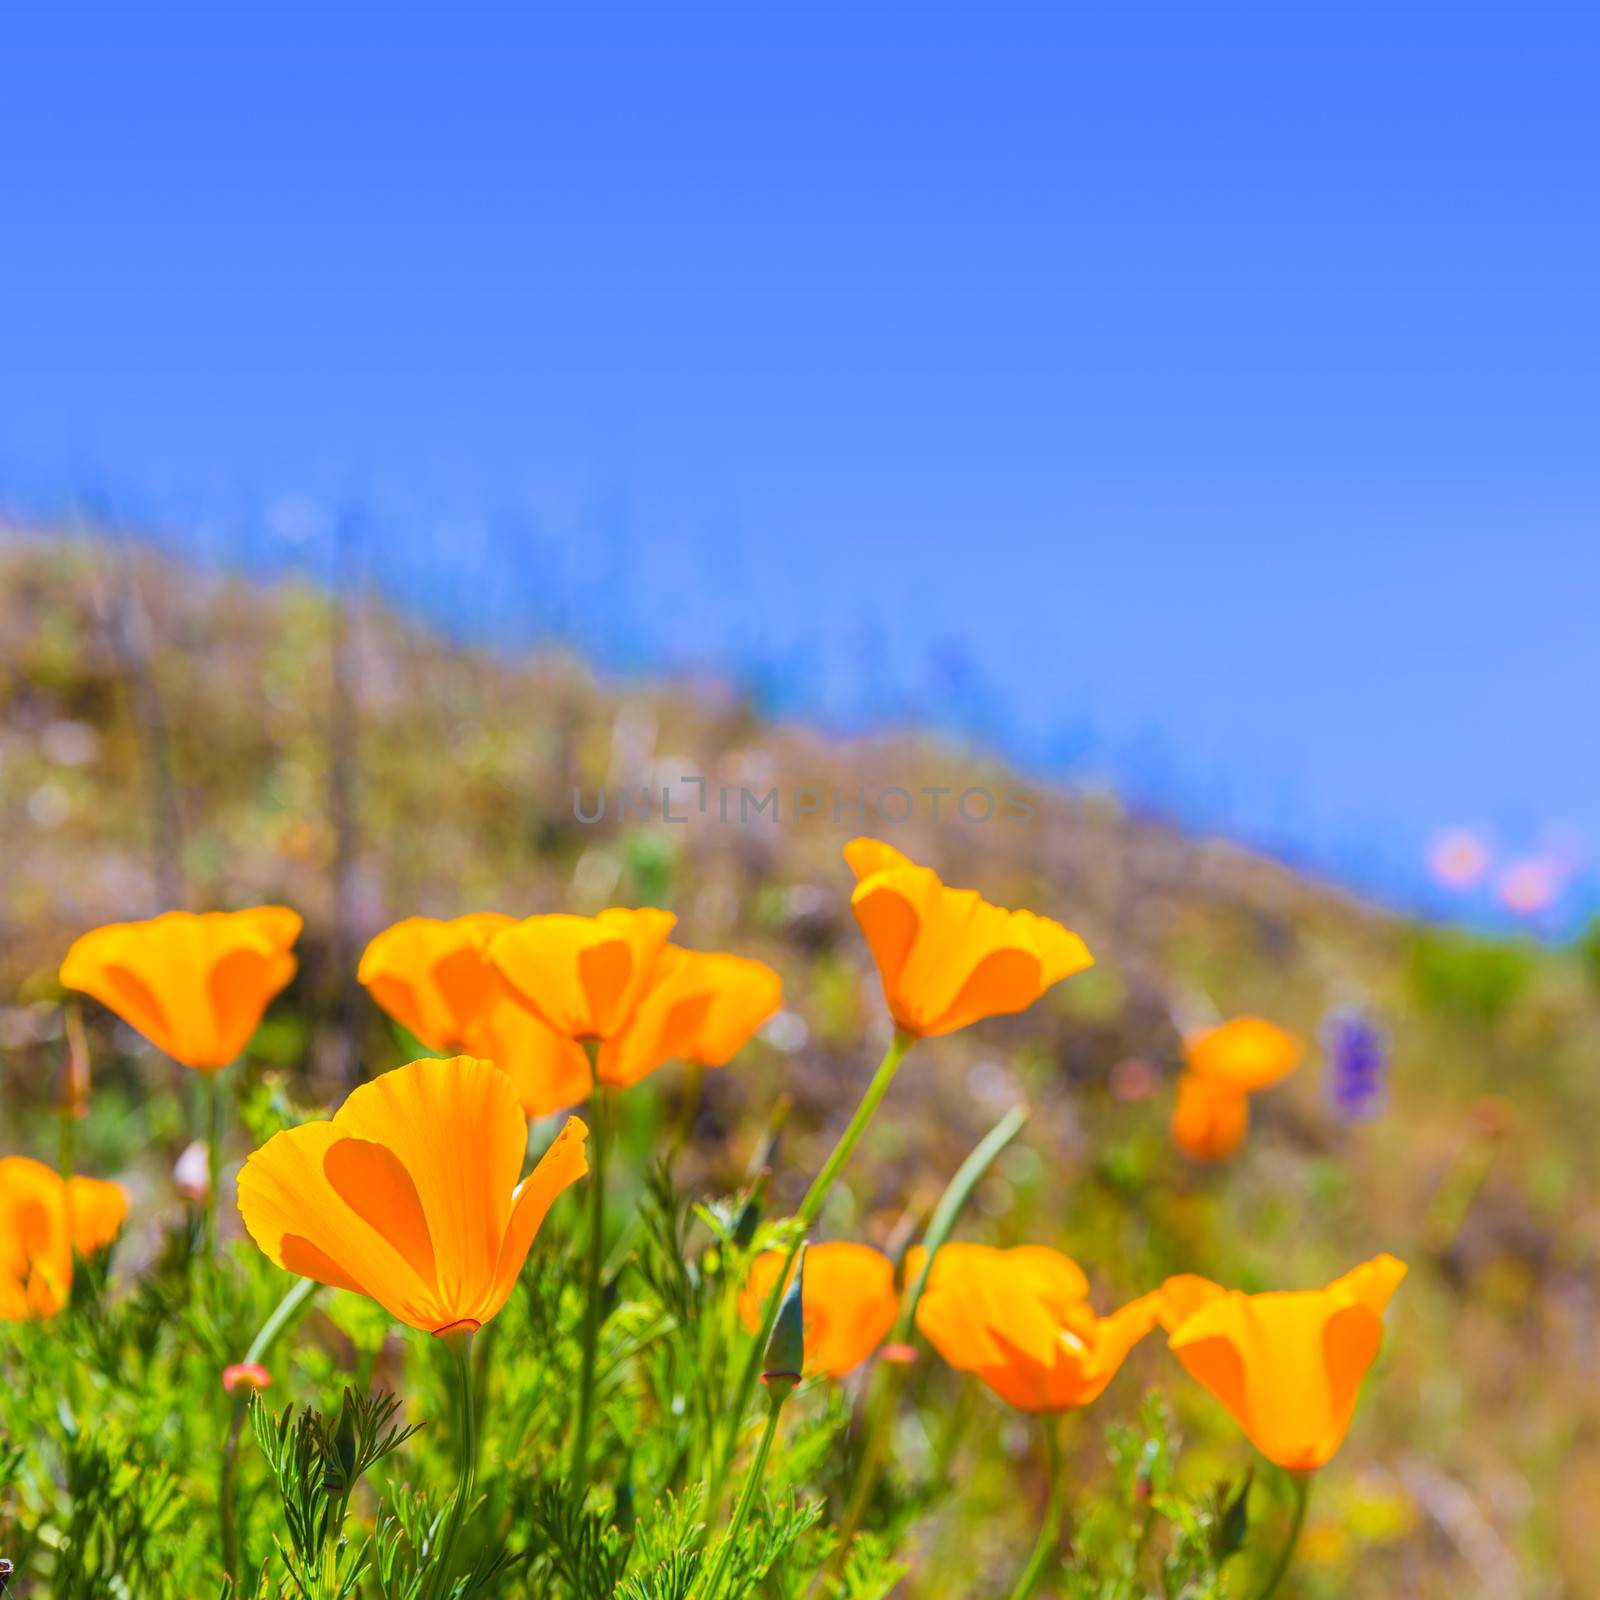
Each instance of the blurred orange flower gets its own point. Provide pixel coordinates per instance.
(582, 976)
(1222, 1066)
(699, 1006)
(43, 1221)
(948, 958)
(194, 985)
(1287, 1365)
(409, 1193)
(432, 977)
(1021, 1321)
(1245, 1054)
(848, 1301)
(1208, 1123)
(98, 1210)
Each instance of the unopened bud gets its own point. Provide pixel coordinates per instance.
(749, 1217)
(250, 1376)
(786, 1349)
(339, 1450)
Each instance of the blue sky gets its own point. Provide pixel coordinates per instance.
(1202, 398)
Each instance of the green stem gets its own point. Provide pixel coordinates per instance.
(810, 1207)
(891, 1382)
(225, 1494)
(1046, 1549)
(285, 1309)
(591, 1312)
(747, 1495)
(1302, 1498)
(460, 1342)
(265, 1337)
(213, 1095)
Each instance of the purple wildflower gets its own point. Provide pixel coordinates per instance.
(1358, 1062)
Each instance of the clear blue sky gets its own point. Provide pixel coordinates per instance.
(1209, 393)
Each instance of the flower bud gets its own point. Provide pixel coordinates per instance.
(786, 1349)
(749, 1217)
(344, 1439)
(249, 1376)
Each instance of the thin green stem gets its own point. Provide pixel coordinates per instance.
(747, 1495)
(266, 1336)
(460, 1342)
(597, 1253)
(213, 1096)
(225, 1488)
(285, 1309)
(1302, 1498)
(810, 1207)
(1046, 1550)
(890, 1381)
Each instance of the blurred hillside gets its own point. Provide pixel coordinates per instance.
(173, 737)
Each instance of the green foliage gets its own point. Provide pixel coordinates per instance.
(126, 1517)
(1155, 1540)
(316, 1462)
(1471, 980)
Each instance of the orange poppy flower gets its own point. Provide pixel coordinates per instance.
(433, 978)
(582, 976)
(947, 957)
(1287, 1365)
(848, 1301)
(409, 1193)
(43, 1220)
(1245, 1055)
(700, 1006)
(1021, 1321)
(1208, 1123)
(1222, 1067)
(194, 986)
(98, 1210)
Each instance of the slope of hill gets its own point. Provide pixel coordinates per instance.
(168, 736)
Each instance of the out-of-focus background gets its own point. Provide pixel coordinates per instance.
(415, 428)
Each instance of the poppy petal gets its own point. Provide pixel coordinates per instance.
(300, 1221)
(456, 1126)
(559, 1167)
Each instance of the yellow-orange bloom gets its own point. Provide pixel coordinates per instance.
(1287, 1365)
(1222, 1067)
(947, 957)
(1021, 1321)
(848, 1301)
(1208, 1123)
(409, 1193)
(97, 1210)
(700, 1006)
(1245, 1055)
(433, 978)
(194, 985)
(43, 1220)
(582, 976)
